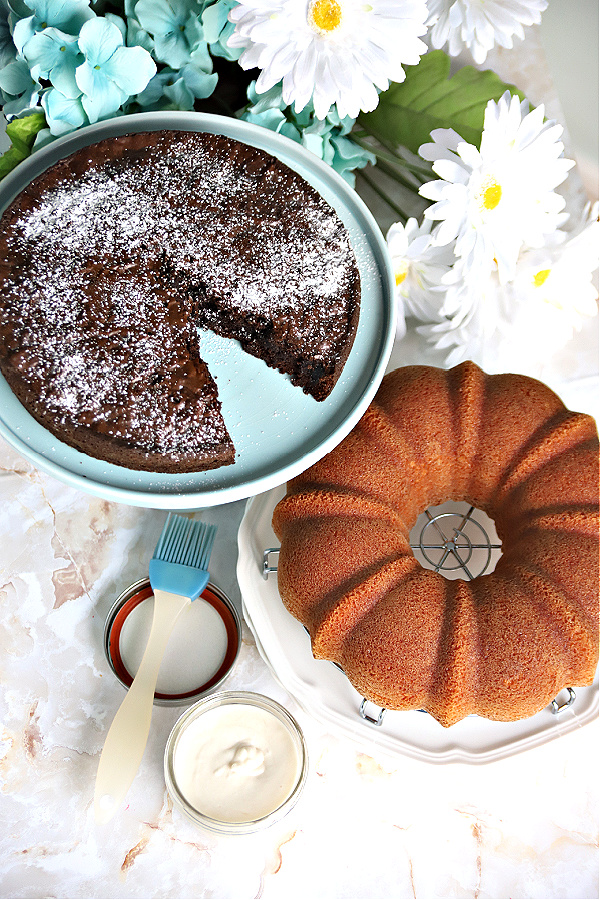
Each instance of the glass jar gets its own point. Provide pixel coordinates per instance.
(236, 762)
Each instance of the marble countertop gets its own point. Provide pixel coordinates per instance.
(367, 825)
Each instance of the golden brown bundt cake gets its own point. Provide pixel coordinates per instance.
(501, 646)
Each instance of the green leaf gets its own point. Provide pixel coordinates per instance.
(428, 98)
(22, 133)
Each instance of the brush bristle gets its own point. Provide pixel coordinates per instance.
(185, 542)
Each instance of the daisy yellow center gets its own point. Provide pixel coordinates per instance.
(324, 16)
(490, 194)
(401, 271)
(540, 277)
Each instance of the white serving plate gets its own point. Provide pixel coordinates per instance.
(324, 692)
(277, 429)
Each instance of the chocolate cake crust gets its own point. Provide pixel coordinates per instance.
(111, 259)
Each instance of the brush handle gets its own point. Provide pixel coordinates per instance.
(128, 734)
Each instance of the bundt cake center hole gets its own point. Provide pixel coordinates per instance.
(457, 540)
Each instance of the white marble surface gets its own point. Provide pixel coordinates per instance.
(367, 826)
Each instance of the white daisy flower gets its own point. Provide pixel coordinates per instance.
(331, 51)
(478, 25)
(495, 200)
(487, 332)
(554, 291)
(519, 326)
(470, 321)
(419, 264)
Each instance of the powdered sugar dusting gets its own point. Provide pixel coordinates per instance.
(276, 250)
(115, 268)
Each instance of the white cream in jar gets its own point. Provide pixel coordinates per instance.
(235, 760)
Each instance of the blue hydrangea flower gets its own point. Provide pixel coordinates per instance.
(173, 25)
(66, 15)
(63, 114)
(19, 90)
(120, 23)
(136, 35)
(8, 51)
(218, 28)
(167, 90)
(111, 72)
(201, 84)
(54, 56)
(18, 10)
(178, 40)
(326, 138)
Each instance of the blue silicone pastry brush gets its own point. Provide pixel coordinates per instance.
(178, 574)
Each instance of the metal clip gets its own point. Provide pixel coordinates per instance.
(363, 711)
(557, 708)
(267, 568)
(454, 547)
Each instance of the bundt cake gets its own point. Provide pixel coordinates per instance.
(501, 646)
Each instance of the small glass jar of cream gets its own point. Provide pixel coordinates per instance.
(236, 762)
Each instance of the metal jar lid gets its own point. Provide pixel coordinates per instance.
(201, 650)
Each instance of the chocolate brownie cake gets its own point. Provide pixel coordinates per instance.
(111, 260)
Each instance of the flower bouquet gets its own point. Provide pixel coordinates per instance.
(489, 264)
